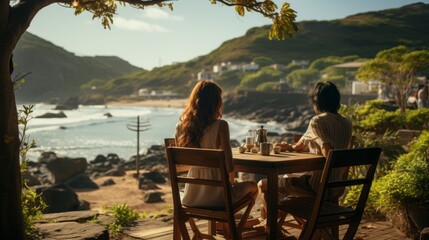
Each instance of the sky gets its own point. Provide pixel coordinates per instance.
(155, 36)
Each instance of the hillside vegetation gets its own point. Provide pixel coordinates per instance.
(55, 72)
(357, 36)
(353, 38)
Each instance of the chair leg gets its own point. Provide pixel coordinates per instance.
(183, 230)
(176, 231)
(212, 227)
(244, 218)
(351, 231)
(335, 231)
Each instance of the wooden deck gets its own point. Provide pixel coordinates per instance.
(369, 229)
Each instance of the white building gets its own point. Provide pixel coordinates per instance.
(206, 75)
(365, 87)
(223, 67)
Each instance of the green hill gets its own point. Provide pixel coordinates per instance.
(362, 34)
(55, 72)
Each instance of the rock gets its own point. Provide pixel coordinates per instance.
(108, 182)
(53, 115)
(73, 230)
(81, 181)
(116, 171)
(84, 205)
(113, 158)
(69, 104)
(72, 216)
(153, 197)
(156, 148)
(63, 169)
(99, 159)
(59, 198)
(147, 184)
(30, 179)
(155, 176)
(46, 156)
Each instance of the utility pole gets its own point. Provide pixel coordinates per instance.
(138, 127)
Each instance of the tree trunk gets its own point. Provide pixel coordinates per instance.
(11, 221)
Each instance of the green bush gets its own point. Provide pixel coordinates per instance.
(408, 181)
(124, 217)
(417, 119)
(381, 121)
(266, 74)
(32, 203)
(267, 86)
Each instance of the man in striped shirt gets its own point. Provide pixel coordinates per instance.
(327, 130)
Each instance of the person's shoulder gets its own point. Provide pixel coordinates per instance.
(222, 123)
(178, 125)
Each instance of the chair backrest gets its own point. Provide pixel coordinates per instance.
(367, 157)
(198, 157)
(169, 142)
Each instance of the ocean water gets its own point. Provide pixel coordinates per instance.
(87, 132)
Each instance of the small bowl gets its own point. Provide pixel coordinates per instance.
(241, 149)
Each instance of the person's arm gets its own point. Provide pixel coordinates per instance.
(225, 144)
(326, 147)
(299, 146)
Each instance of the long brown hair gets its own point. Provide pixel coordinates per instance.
(204, 107)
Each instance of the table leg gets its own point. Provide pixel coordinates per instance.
(272, 203)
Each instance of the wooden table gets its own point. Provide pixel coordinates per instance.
(272, 166)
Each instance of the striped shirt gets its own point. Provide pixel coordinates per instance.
(329, 128)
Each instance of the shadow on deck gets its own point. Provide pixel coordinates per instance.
(369, 229)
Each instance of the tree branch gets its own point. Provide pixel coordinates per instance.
(21, 16)
(255, 7)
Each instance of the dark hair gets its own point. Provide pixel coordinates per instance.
(325, 96)
(204, 107)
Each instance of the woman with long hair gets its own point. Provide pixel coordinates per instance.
(201, 126)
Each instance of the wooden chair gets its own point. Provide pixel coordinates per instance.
(322, 215)
(211, 158)
(169, 142)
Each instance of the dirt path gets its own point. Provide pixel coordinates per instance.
(125, 191)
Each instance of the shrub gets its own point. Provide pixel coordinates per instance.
(124, 217)
(32, 203)
(408, 181)
(417, 119)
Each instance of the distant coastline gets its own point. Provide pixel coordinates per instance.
(165, 103)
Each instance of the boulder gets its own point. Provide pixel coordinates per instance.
(113, 158)
(46, 156)
(30, 179)
(99, 159)
(153, 197)
(147, 184)
(63, 169)
(84, 205)
(81, 181)
(69, 104)
(155, 176)
(72, 216)
(108, 182)
(52, 115)
(58, 198)
(73, 230)
(115, 171)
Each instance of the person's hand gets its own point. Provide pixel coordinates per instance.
(285, 146)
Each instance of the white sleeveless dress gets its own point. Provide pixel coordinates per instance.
(209, 196)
